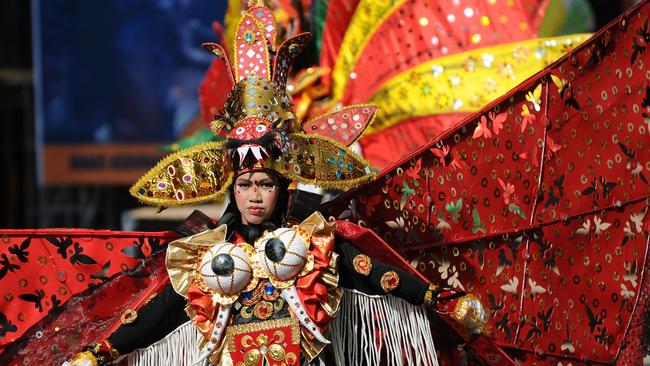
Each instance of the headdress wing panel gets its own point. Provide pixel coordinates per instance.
(314, 159)
(201, 173)
(345, 125)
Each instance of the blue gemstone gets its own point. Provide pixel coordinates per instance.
(340, 164)
(350, 167)
(247, 295)
(330, 160)
(269, 289)
(338, 174)
(341, 153)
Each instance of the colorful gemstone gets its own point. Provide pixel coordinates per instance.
(249, 37)
(180, 195)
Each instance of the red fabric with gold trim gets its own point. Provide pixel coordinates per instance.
(265, 343)
(87, 317)
(251, 50)
(344, 125)
(204, 310)
(214, 89)
(311, 291)
(250, 128)
(41, 269)
(544, 217)
(408, 34)
(265, 16)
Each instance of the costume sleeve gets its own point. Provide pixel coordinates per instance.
(155, 320)
(360, 272)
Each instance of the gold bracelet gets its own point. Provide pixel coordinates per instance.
(428, 295)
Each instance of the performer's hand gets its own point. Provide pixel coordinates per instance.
(471, 314)
(98, 354)
(85, 358)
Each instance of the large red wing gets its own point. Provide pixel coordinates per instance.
(41, 270)
(546, 222)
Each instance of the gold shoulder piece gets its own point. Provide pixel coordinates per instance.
(184, 254)
(316, 224)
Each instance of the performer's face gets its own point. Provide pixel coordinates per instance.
(256, 194)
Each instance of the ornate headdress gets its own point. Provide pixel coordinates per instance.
(261, 128)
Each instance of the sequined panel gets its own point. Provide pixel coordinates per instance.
(197, 174)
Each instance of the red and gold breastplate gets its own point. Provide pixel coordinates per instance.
(259, 303)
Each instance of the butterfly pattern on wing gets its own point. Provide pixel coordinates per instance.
(582, 201)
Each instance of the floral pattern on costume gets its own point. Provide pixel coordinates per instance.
(537, 204)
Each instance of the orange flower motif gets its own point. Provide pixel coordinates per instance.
(508, 191)
(482, 129)
(497, 121)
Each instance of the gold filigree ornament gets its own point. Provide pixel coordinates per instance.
(271, 344)
(389, 281)
(362, 264)
(263, 310)
(128, 316)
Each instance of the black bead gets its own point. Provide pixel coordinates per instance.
(275, 250)
(222, 265)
